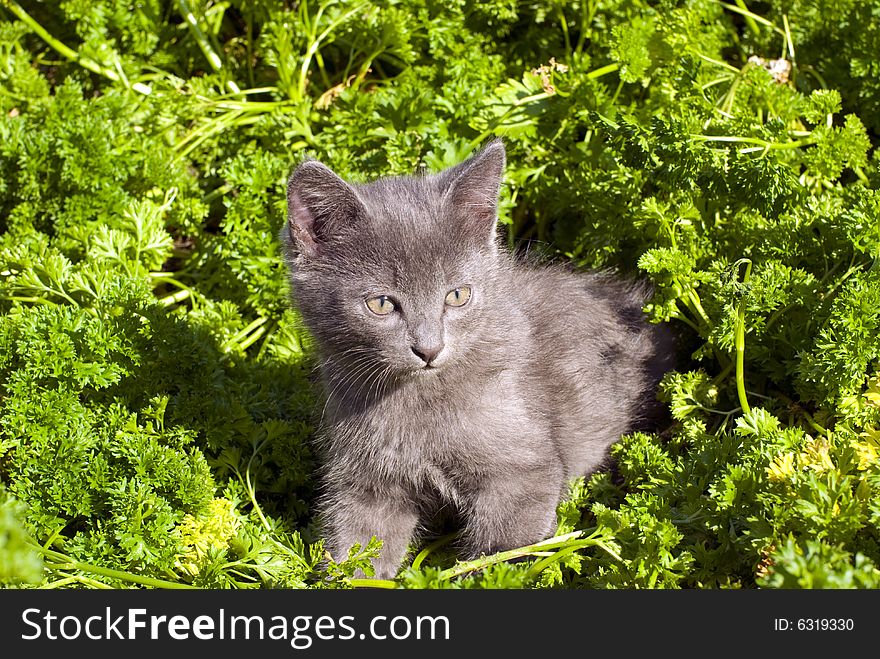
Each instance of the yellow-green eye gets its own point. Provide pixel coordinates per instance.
(381, 305)
(459, 297)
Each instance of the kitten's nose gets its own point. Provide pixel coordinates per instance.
(427, 355)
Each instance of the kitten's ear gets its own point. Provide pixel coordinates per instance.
(319, 206)
(472, 188)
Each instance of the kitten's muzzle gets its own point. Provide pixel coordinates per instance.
(427, 354)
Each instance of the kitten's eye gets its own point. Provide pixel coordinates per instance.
(459, 297)
(381, 305)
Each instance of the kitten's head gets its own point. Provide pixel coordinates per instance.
(397, 274)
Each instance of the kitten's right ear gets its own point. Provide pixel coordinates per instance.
(472, 188)
(319, 206)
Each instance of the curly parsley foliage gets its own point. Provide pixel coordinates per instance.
(19, 562)
(156, 403)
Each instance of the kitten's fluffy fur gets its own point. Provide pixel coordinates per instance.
(537, 374)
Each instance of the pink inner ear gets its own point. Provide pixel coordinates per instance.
(477, 201)
(301, 224)
(473, 188)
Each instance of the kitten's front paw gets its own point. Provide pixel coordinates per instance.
(381, 570)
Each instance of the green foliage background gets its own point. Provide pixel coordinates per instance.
(155, 389)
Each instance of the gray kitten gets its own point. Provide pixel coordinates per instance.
(455, 375)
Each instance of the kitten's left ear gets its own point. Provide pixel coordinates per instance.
(320, 207)
(471, 188)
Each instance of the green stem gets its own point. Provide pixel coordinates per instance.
(252, 490)
(250, 45)
(750, 21)
(730, 97)
(373, 583)
(240, 336)
(722, 376)
(249, 341)
(807, 416)
(713, 83)
(365, 69)
(233, 119)
(762, 144)
(789, 42)
(617, 92)
(60, 293)
(818, 76)
(860, 173)
(563, 22)
(66, 563)
(544, 563)
(60, 583)
(693, 302)
(588, 13)
(69, 52)
(266, 342)
(199, 35)
(740, 343)
(748, 15)
(252, 494)
(422, 555)
(226, 103)
(78, 578)
(602, 70)
(812, 423)
(319, 60)
(720, 63)
(22, 298)
(163, 277)
(221, 191)
(175, 298)
(501, 557)
(687, 321)
(316, 43)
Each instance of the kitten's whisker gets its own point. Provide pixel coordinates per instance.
(384, 380)
(330, 359)
(375, 380)
(368, 386)
(360, 367)
(360, 372)
(380, 379)
(346, 380)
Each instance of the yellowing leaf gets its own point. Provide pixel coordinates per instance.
(782, 467)
(873, 392)
(201, 534)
